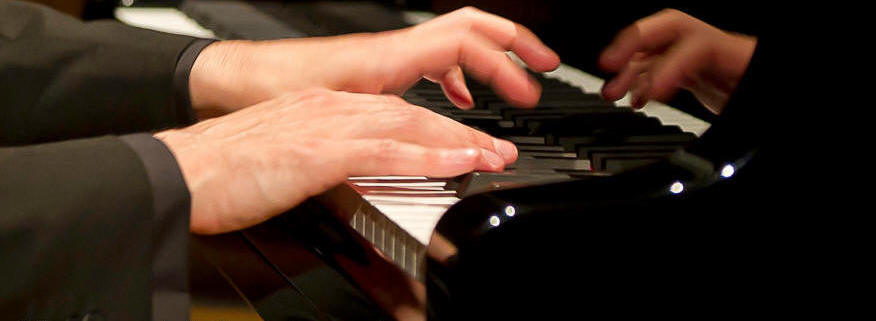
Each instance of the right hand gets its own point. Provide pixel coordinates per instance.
(669, 50)
(246, 167)
(229, 75)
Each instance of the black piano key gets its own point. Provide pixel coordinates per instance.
(620, 162)
(539, 148)
(570, 143)
(511, 113)
(542, 154)
(550, 164)
(587, 151)
(478, 182)
(505, 129)
(530, 140)
(552, 102)
(589, 124)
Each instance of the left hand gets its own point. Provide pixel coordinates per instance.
(229, 75)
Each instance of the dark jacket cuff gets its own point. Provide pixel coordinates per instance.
(181, 79)
(170, 235)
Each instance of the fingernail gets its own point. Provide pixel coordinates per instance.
(461, 97)
(506, 149)
(493, 159)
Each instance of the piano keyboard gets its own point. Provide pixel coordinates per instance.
(573, 134)
(397, 214)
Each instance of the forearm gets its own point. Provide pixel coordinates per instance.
(65, 79)
(229, 75)
(76, 210)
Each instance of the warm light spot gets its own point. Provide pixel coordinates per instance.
(510, 210)
(676, 187)
(494, 220)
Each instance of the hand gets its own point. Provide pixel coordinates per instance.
(669, 50)
(229, 75)
(245, 167)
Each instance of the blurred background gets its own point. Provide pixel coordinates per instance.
(577, 30)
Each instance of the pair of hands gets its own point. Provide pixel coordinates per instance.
(321, 110)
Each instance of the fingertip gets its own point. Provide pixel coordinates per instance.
(524, 96)
(462, 99)
(534, 92)
(454, 87)
(506, 149)
(491, 161)
(609, 91)
(549, 61)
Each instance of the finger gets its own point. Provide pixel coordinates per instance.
(502, 148)
(514, 37)
(496, 69)
(417, 125)
(453, 85)
(669, 74)
(490, 161)
(390, 157)
(640, 90)
(453, 132)
(647, 34)
(618, 86)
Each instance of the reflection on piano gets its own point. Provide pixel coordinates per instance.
(542, 237)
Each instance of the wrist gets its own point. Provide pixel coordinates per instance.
(219, 81)
(187, 154)
(199, 165)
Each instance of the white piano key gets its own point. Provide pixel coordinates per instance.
(168, 20)
(415, 192)
(412, 200)
(417, 220)
(399, 184)
(394, 178)
(666, 114)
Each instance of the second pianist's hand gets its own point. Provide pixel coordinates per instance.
(247, 166)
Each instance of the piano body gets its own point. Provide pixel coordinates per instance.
(587, 222)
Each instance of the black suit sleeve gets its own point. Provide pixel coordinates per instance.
(94, 226)
(171, 207)
(80, 227)
(63, 79)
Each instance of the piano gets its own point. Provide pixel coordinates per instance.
(580, 224)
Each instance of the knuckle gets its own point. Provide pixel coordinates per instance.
(469, 11)
(676, 16)
(467, 15)
(670, 12)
